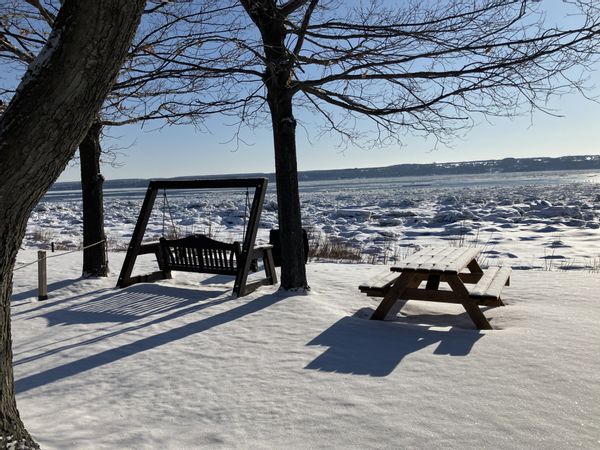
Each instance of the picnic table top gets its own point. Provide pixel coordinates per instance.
(449, 260)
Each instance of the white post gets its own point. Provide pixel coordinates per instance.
(42, 277)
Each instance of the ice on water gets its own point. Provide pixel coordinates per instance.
(525, 220)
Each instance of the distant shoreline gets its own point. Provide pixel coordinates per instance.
(514, 165)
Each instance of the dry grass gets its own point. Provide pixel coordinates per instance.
(326, 248)
(42, 235)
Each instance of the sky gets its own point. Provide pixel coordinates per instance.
(182, 150)
(149, 152)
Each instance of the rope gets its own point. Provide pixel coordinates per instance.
(60, 254)
(245, 215)
(163, 211)
(166, 202)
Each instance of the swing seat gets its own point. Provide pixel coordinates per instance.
(199, 253)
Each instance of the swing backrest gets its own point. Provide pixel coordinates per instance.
(199, 253)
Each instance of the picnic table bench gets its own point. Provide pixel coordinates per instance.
(471, 288)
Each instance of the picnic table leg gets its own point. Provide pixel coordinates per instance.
(433, 282)
(474, 267)
(393, 295)
(470, 306)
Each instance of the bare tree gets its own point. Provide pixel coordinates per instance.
(56, 102)
(371, 72)
(151, 87)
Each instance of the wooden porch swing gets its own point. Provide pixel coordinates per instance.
(200, 253)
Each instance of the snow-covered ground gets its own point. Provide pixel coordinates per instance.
(536, 220)
(182, 364)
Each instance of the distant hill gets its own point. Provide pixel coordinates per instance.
(585, 162)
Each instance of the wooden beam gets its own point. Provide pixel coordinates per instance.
(136, 238)
(208, 184)
(470, 305)
(250, 237)
(404, 281)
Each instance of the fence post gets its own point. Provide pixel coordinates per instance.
(42, 277)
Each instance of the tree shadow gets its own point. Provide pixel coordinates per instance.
(108, 356)
(51, 287)
(106, 309)
(375, 348)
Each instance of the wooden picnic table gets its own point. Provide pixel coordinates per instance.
(468, 284)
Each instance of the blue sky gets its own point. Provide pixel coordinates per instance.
(181, 150)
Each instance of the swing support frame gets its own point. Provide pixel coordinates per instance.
(249, 251)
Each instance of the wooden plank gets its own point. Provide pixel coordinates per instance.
(269, 264)
(469, 278)
(462, 260)
(146, 249)
(422, 259)
(379, 285)
(208, 183)
(452, 261)
(481, 286)
(428, 260)
(380, 281)
(495, 283)
(440, 296)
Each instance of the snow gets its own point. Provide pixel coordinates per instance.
(183, 364)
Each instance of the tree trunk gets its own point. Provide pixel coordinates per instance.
(293, 269)
(277, 78)
(40, 130)
(94, 258)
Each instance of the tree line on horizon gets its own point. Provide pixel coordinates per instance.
(504, 165)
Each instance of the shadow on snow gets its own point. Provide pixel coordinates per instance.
(126, 305)
(363, 347)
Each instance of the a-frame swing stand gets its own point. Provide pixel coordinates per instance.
(199, 253)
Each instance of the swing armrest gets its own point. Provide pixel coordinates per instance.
(258, 250)
(150, 247)
(263, 246)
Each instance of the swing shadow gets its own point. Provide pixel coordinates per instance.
(116, 307)
(130, 304)
(217, 279)
(141, 345)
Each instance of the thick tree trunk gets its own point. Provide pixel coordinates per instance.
(47, 118)
(277, 78)
(293, 269)
(94, 258)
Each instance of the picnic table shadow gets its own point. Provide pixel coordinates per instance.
(375, 348)
(187, 305)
